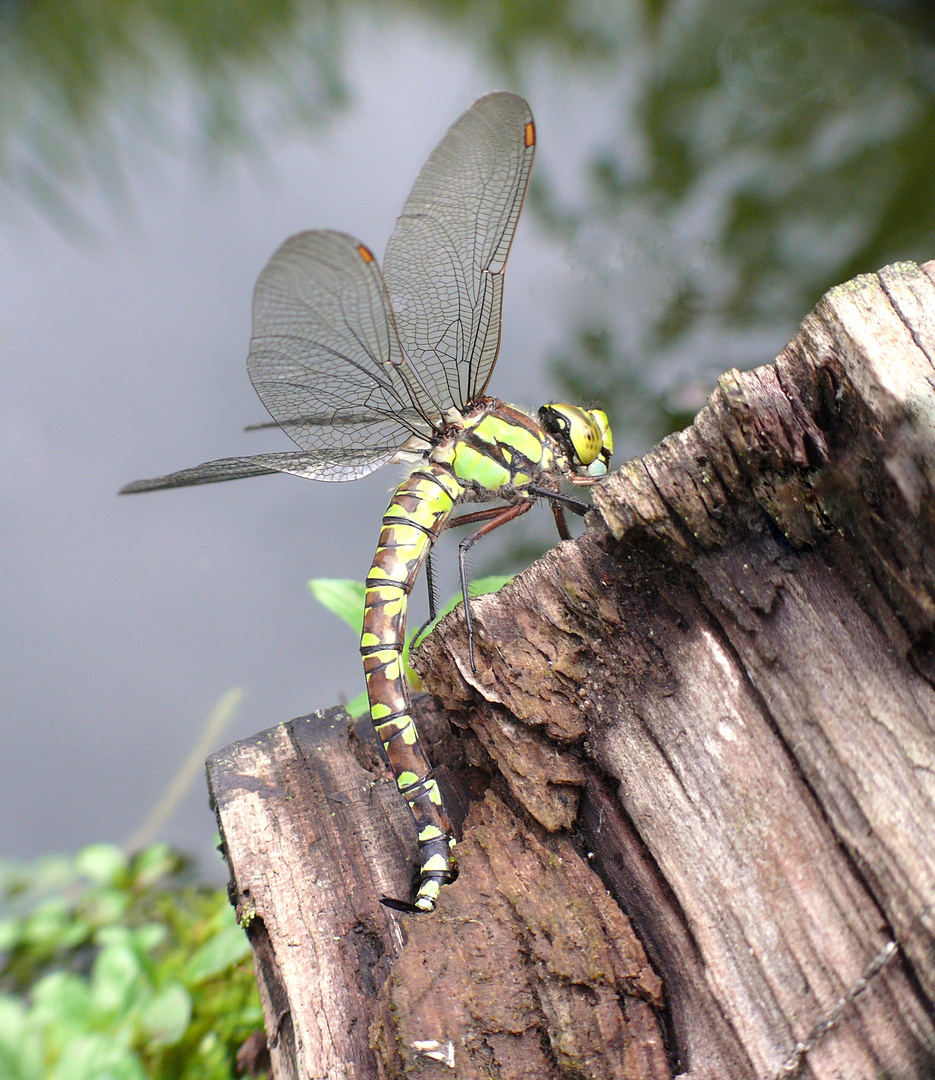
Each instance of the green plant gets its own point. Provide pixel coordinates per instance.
(120, 968)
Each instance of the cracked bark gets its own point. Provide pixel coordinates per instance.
(714, 713)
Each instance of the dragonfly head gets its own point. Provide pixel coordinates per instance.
(584, 435)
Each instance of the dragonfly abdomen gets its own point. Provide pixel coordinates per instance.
(494, 450)
(415, 516)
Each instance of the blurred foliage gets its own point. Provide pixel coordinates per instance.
(86, 84)
(120, 967)
(753, 155)
(504, 30)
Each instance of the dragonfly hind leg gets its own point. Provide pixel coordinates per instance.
(433, 599)
(493, 519)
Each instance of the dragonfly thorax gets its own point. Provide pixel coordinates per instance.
(496, 451)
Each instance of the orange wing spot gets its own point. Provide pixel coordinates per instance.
(365, 253)
(530, 134)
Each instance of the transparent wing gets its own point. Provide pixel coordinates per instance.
(326, 361)
(444, 262)
(327, 465)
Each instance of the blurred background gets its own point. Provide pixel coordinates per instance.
(705, 171)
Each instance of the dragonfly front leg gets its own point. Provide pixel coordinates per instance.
(465, 519)
(493, 519)
(556, 498)
(558, 501)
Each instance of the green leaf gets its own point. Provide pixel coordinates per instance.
(48, 922)
(115, 935)
(167, 1016)
(11, 933)
(148, 937)
(62, 1002)
(20, 1047)
(104, 864)
(342, 597)
(154, 863)
(218, 953)
(12, 1018)
(358, 706)
(106, 905)
(117, 979)
(97, 1057)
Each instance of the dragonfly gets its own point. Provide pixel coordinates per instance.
(362, 368)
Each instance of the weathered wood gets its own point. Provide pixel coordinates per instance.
(718, 704)
(313, 839)
(741, 663)
(540, 974)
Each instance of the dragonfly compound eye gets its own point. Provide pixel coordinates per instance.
(586, 435)
(601, 465)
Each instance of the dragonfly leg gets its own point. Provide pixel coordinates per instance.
(491, 521)
(576, 506)
(476, 515)
(465, 519)
(430, 582)
(559, 514)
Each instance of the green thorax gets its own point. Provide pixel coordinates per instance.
(497, 450)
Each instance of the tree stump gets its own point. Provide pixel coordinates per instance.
(713, 716)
